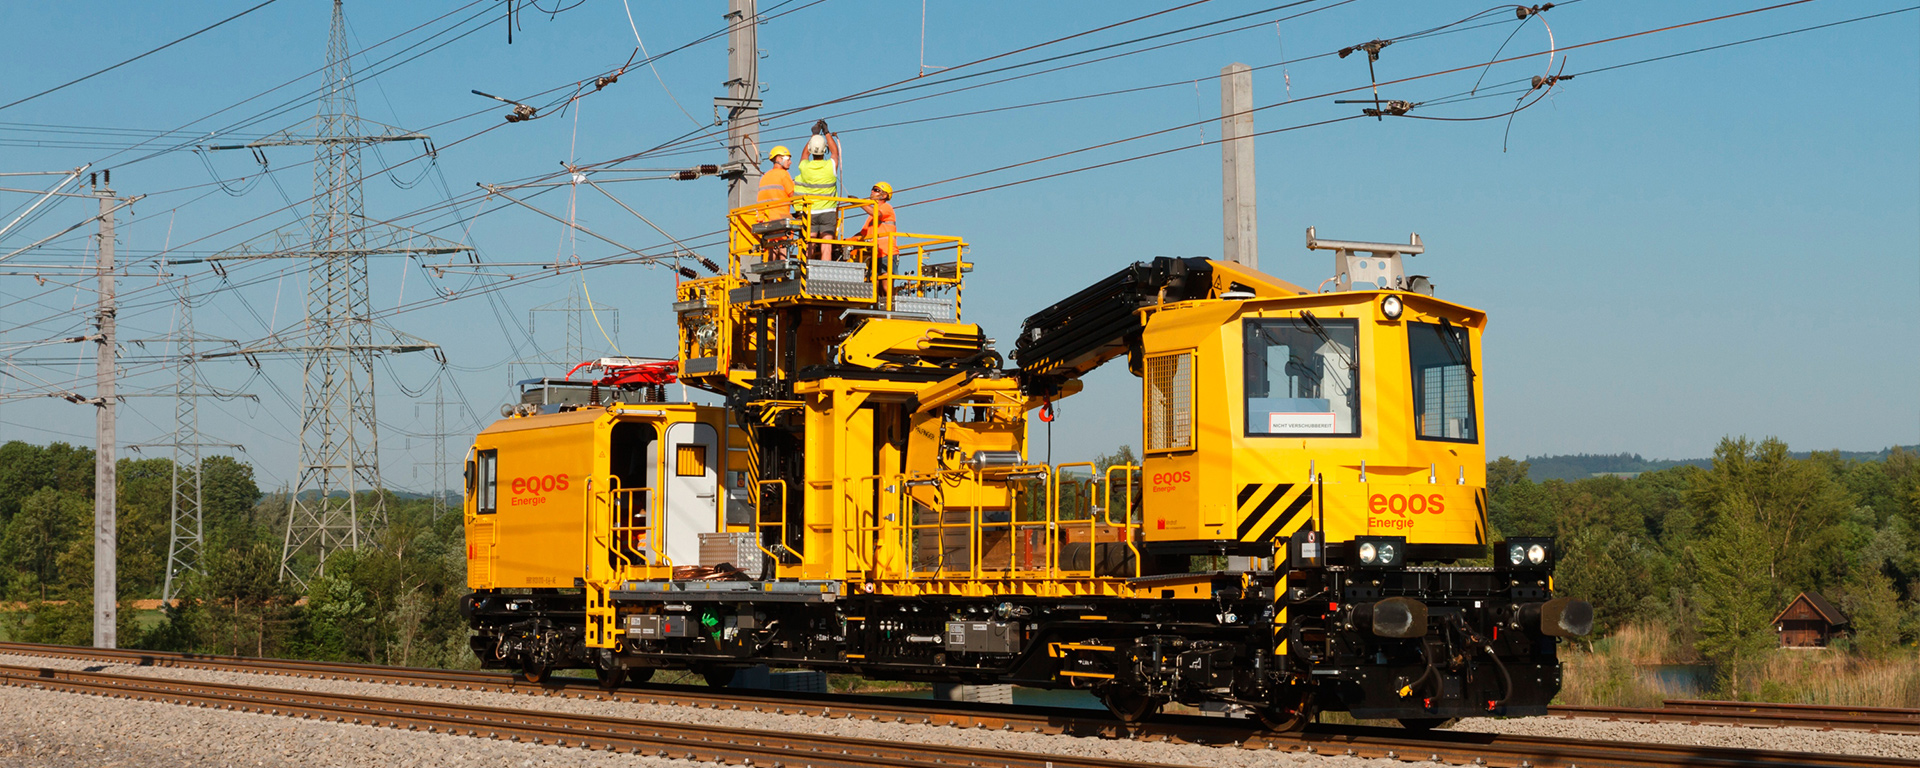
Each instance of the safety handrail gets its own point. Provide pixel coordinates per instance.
(1092, 521)
(1106, 502)
(1128, 528)
(907, 246)
(759, 523)
(603, 529)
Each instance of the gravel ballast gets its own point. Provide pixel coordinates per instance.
(1737, 737)
(346, 745)
(67, 730)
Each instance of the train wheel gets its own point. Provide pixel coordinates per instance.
(1129, 705)
(533, 673)
(1426, 723)
(639, 675)
(610, 679)
(1285, 719)
(1288, 713)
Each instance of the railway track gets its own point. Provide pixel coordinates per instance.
(1759, 715)
(1464, 748)
(689, 741)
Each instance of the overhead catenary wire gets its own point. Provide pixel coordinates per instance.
(124, 62)
(576, 93)
(589, 264)
(1671, 55)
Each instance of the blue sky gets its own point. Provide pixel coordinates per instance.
(1717, 244)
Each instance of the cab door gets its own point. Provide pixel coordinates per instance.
(691, 489)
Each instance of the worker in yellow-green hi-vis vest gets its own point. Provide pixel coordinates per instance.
(819, 176)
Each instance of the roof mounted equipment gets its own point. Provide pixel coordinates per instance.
(1372, 266)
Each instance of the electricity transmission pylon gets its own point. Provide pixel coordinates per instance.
(438, 474)
(338, 342)
(186, 532)
(576, 312)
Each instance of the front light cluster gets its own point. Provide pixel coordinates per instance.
(1530, 555)
(1380, 551)
(1525, 553)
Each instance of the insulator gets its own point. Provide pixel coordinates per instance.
(685, 175)
(687, 272)
(709, 170)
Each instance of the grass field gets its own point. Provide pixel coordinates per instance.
(1622, 670)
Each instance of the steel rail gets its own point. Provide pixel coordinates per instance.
(1464, 747)
(688, 741)
(1757, 715)
(1823, 709)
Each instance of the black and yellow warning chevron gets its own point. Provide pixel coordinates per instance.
(1269, 510)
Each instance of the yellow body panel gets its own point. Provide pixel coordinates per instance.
(549, 467)
(1233, 485)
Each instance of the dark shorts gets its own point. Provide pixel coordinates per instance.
(825, 222)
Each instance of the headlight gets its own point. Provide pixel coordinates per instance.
(1391, 307)
(1378, 551)
(1523, 553)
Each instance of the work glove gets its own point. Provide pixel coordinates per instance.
(819, 127)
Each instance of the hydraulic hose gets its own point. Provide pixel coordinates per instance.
(1506, 680)
(1407, 690)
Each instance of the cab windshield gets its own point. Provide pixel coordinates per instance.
(1302, 376)
(1442, 382)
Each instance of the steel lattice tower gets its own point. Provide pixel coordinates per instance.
(339, 438)
(186, 536)
(185, 532)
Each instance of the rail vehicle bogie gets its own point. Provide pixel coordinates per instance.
(1291, 540)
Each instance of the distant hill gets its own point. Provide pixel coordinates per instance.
(1583, 465)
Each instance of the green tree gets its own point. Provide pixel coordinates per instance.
(1874, 610)
(1121, 456)
(244, 595)
(142, 510)
(1734, 595)
(26, 468)
(46, 525)
(228, 495)
(1793, 503)
(1503, 472)
(395, 603)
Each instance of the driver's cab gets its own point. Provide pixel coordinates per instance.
(1352, 412)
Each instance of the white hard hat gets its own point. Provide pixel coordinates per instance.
(817, 145)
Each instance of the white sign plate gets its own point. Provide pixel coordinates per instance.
(1312, 423)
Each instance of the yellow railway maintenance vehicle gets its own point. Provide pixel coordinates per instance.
(864, 501)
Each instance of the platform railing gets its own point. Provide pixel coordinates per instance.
(918, 265)
(1077, 504)
(761, 523)
(620, 523)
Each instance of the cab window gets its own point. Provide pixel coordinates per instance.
(1302, 376)
(1442, 382)
(485, 481)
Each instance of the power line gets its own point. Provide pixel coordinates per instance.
(178, 41)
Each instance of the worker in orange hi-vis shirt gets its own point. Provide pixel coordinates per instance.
(776, 183)
(880, 224)
(776, 193)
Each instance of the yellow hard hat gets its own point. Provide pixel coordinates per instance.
(778, 151)
(884, 187)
